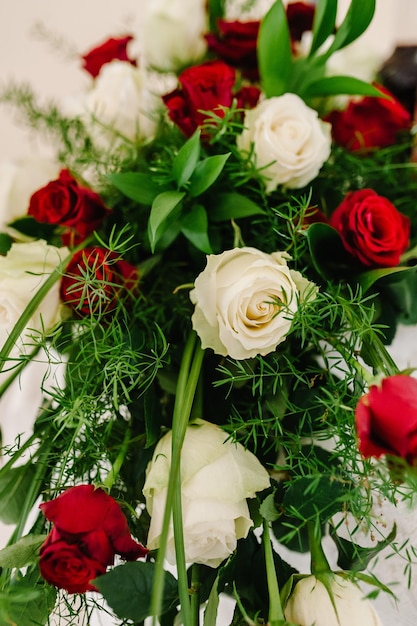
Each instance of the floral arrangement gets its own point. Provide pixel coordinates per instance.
(218, 257)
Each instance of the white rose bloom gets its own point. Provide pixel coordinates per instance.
(245, 300)
(216, 478)
(18, 181)
(22, 272)
(173, 33)
(118, 105)
(310, 604)
(289, 140)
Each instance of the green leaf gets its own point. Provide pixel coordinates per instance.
(29, 226)
(5, 243)
(21, 553)
(268, 510)
(194, 226)
(324, 23)
(233, 205)
(274, 51)
(206, 173)
(210, 612)
(328, 254)
(356, 557)
(357, 20)
(14, 486)
(315, 496)
(186, 159)
(29, 601)
(162, 208)
(137, 186)
(127, 589)
(336, 85)
(367, 279)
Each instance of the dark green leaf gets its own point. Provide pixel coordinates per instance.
(29, 226)
(194, 226)
(314, 496)
(274, 51)
(328, 255)
(324, 23)
(162, 208)
(21, 553)
(336, 85)
(357, 20)
(128, 589)
(5, 243)
(231, 206)
(186, 159)
(137, 186)
(399, 291)
(356, 557)
(206, 173)
(14, 486)
(367, 279)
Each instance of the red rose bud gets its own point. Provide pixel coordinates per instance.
(110, 50)
(369, 123)
(300, 16)
(386, 419)
(96, 280)
(371, 228)
(205, 87)
(235, 43)
(66, 203)
(89, 529)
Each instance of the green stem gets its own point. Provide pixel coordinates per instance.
(116, 467)
(319, 562)
(276, 614)
(195, 593)
(183, 590)
(187, 383)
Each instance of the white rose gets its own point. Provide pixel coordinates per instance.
(216, 478)
(245, 300)
(118, 105)
(18, 181)
(22, 272)
(310, 604)
(173, 33)
(289, 140)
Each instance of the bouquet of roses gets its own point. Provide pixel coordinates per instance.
(218, 259)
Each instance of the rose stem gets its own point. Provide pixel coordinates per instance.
(276, 614)
(188, 378)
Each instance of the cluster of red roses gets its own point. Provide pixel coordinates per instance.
(95, 278)
(89, 529)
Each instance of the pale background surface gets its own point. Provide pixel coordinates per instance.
(53, 69)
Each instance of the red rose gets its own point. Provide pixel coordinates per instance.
(205, 87)
(96, 279)
(89, 529)
(300, 16)
(110, 50)
(67, 565)
(68, 204)
(386, 419)
(235, 43)
(371, 228)
(369, 122)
